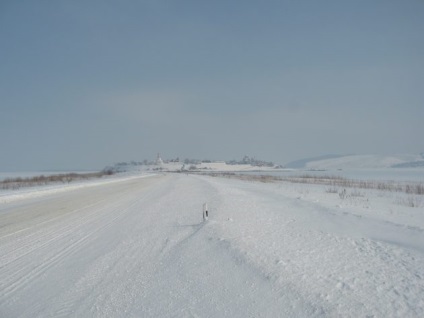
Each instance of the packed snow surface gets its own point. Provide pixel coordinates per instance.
(138, 247)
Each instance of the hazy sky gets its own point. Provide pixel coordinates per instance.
(84, 84)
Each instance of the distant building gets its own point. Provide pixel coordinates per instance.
(159, 160)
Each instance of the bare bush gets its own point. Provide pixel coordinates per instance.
(334, 182)
(357, 194)
(332, 190)
(414, 189)
(337, 181)
(17, 183)
(410, 201)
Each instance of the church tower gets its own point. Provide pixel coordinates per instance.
(159, 160)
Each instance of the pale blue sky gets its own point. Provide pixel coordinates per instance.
(84, 84)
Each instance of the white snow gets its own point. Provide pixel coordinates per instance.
(139, 248)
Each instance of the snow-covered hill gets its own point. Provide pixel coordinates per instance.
(365, 162)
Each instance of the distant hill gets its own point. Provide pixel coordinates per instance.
(298, 164)
(325, 162)
(332, 162)
(414, 164)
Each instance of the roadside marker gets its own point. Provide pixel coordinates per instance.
(205, 212)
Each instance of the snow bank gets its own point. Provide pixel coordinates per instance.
(353, 257)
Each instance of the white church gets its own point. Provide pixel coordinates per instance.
(159, 160)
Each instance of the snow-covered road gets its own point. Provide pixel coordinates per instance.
(139, 248)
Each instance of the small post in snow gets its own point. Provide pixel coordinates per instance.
(205, 211)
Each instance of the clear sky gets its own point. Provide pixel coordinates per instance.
(84, 84)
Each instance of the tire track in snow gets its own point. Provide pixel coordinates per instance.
(81, 228)
(20, 280)
(40, 234)
(46, 239)
(89, 289)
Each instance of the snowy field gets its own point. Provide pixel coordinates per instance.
(137, 247)
(381, 174)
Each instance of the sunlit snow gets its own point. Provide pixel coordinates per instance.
(137, 246)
